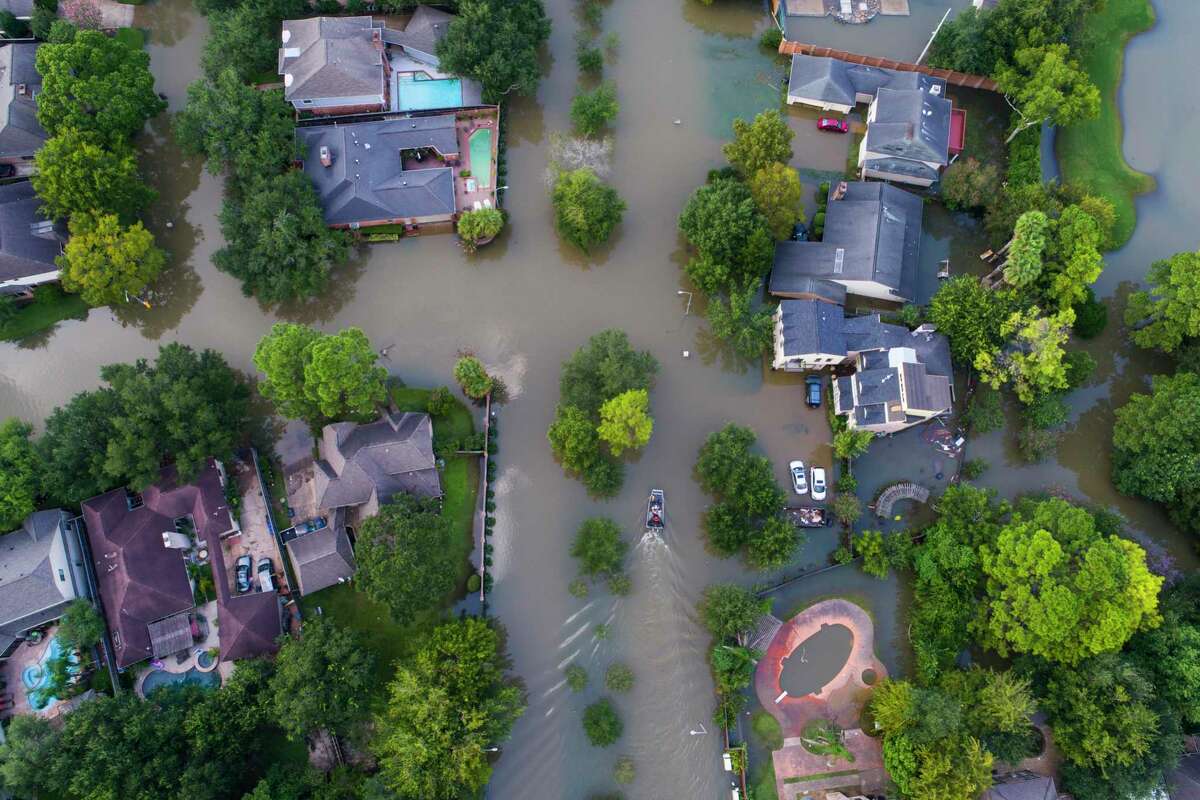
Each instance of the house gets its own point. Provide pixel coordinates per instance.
(21, 136)
(421, 35)
(391, 171)
(870, 247)
(1023, 785)
(912, 128)
(323, 557)
(142, 546)
(334, 65)
(29, 243)
(41, 572)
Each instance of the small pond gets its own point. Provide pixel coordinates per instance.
(816, 660)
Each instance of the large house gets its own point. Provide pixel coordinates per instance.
(870, 247)
(142, 544)
(391, 171)
(912, 128)
(41, 572)
(359, 468)
(899, 378)
(334, 65)
(21, 135)
(29, 243)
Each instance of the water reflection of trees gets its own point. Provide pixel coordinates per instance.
(342, 288)
(168, 21)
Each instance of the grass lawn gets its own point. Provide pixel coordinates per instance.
(1089, 153)
(43, 313)
(767, 730)
(134, 37)
(762, 780)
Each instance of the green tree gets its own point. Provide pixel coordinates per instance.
(732, 666)
(586, 209)
(602, 724)
(985, 412)
(479, 226)
(81, 626)
(773, 545)
(496, 42)
(1073, 260)
(847, 508)
(341, 376)
(1046, 84)
(625, 421)
(577, 677)
(777, 192)
(728, 469)
(868, 545)
(405, 556)
(76, 174)
(728, 610)
(599, 548)
(766, 140)
(106, 263)
(850, 443)
(74, 447)
(245, 37)
(281, 356)
(20, 473)
(967, 184)
(602, 369)
(592, 112)
(1024, 264)
(427, 746)
(235, 127)
(723, 223)
(1168, 313)
(573, 439)
(26, 755)
(736, 322)
(473, 378)
(276, 241)
(1156, 446)
(1058, 588)
(1033, 363)
(96, 83)
(958, 768)
(322, 680)
(970, 316)
(618, 678)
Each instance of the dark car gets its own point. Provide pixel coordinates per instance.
(833, 125)
(7, 170)
(245, 564)
(812, 394)
(799, 232)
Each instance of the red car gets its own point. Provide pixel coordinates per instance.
(831, 124)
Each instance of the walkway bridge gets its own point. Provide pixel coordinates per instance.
(897, 492)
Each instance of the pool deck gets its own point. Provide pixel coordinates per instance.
(465, 200)
(24, 656)
(172, 664)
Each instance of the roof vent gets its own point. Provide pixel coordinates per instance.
(839, 258)
(287, 79)
(367, 145)
(291, 52)
(935, 90)
(287, 35)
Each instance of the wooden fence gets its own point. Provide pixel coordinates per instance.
(949, 76)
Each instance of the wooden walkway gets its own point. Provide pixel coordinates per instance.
(897, 492)
(949, 76)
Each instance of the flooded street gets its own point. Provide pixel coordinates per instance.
(526, 302)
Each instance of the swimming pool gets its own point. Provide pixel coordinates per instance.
(35, 677)
(422, 95)
(160, 678)
(481, 157)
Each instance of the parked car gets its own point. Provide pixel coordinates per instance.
(812, 391)
(818, 483)
(265, 582)
(833, 125)
(245, 565)
(7, 170)
(799, 481)
(799, 232)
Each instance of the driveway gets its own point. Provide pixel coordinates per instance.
(256, 539)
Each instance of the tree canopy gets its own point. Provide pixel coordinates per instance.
(1167, 314)
(599, 548)
(77, 174)
(733, 242)
(496, 42)
(606, 366)
(20, 473)
(592, 112)
(1033, 361)
(81, 625)
(1045, 83)
(244, 36)
(586, 209)
(473, 377)
(970, 316)
(405, 556)
(106, 263)
(476, 226)
(445, 710)
(625, 421)
(602, 724)
(778, 194)
(728, 610)
(758, 144)
(322, 680)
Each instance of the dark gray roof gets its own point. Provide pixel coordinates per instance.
(367, 180)
(20, 134)
(22, 9)
(832, 80)
(912, 124)
(812, 326)
(872, 234)
(422, 33)
(322, 557)
(845, 391)
(902, 166)
(924, 391)
(170, 635)
(381, 459)
(871, 415)
(877, 386)
(24, 252)
(31, 558)
(330, 57)
(1024, 786)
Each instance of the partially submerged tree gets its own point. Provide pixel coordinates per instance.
(599, 548)
(78, 174)
(496, 42)
(1045, 83)
(767, 140)
(1033, 363)
(106, 263)
(20, 474)
(473, 377)
(477, 227)
(625, 421)
(1167, 314)
(592, 112)
(586, 209)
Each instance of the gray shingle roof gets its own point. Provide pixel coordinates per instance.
(1023, 787)
(911, 123)
(382, 459)
(322, 557)
(367, 180)
(20, 133)
(31, 591)
(22, 252)
(877, 230)
(330, 58)
(422, 33)
(831, 80)
(877, 386)
(812, 326)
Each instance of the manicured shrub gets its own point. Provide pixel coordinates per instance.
(771, 38)
(577, 677)
(474, 582)
(618, 678)
(602, 724)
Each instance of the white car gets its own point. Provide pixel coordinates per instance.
(818, 483)
(799, 481)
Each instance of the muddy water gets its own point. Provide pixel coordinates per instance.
(524, 304)
(817, 660)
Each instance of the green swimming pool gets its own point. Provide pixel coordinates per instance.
(424, 95)
(481, 157)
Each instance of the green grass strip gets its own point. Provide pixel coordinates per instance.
(43, 314)
(819, 776)
(1089, 153)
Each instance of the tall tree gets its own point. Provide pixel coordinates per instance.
(405, 556)
(1168, 313)
(970, 316)
(446, 709)
(20, 474)
(1024, 263)
(1033, 362)
(602, 369)
(74, 447)
(592, 112)
(778, 194)
(342, 376)
(281, 356)
(76, 174)
(599, 548)
(106, 263)
(96, 83)
(1045, 83)
(473, 377)
(496, 42)
(586, 209)
(322, 680)
(736, 322)
(625, 421)
(1073, 260)
(245, 37)
(81, 626)
(26, 754)
(728, 610)
(757, 144)
(724, 225)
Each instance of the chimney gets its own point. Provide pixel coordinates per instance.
(840, 191)
(174, 540)
(326, 156)
(377, 39)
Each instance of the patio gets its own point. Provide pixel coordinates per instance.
(26, 655)
(468, 191)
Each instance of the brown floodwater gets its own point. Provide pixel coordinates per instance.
(525, 302)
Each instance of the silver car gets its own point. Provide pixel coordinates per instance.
(799, 482)
(818, 483)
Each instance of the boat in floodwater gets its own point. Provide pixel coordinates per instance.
(656, 511)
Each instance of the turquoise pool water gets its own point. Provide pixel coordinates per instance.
(36, 676)
(422, 95)
(160, 678)
(481, 157)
